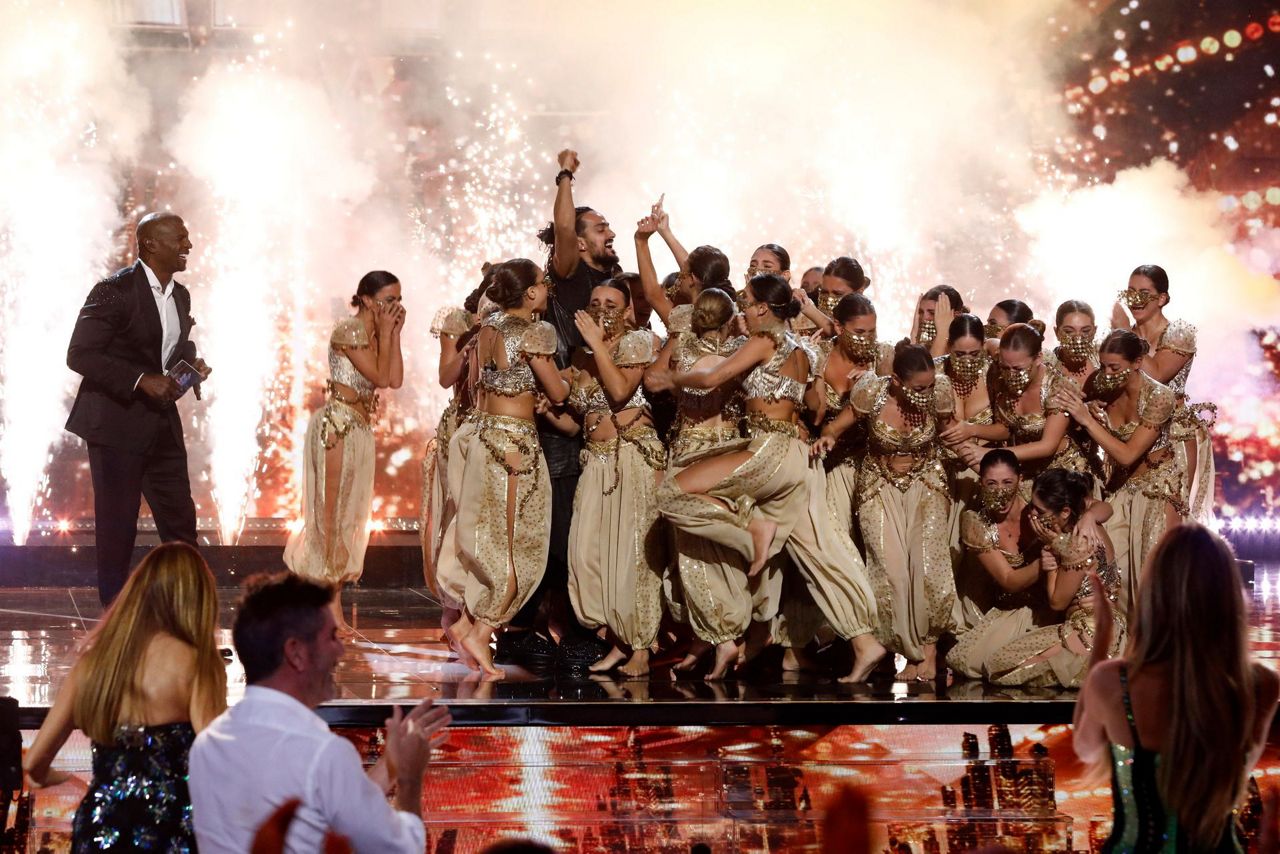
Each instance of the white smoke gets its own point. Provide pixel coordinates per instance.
(69, 114)
(1084, 244)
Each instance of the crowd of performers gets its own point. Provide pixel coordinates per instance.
(771, 472)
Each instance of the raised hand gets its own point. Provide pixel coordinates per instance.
(943, 314)
(1120, 317)
(661, 221)
(568, 159)
(591, 332)
(646, 227)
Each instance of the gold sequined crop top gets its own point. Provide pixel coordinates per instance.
(1024, 427)
(702, 404)
(1156, 405)
(980, 534)
(868, 398)
(634, 350)
(767, 382)
(520, 338)
(1180, 337)
(351, 334)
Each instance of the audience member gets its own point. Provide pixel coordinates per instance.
(150, 678)
(271, 747)
(1183, 715)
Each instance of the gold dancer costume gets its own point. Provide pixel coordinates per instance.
(706, 423)
(615, 549)
(1059, 654)
(1191, 422)
(1073, 453)
(331, 544)
(770, 483)
(496, 468)
(1003, 616)
(904, 521)
(1140, 500)
(437, 508)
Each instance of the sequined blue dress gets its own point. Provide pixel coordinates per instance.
(138, 799)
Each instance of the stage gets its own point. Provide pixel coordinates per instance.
(605, 764)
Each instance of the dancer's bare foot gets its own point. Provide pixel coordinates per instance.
(637, 665)
(455, 633)
(476, 644)
(610, 661)
(726, 655)
(867, 652)
(697, 649)
(795, 659)
(761, 531)
(928, 669)
(339, 618)
(908, 673)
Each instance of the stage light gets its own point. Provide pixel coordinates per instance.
(1252, 200)
(1186, 53)
(1209, 45)
(377, 526)
(1273, 23)
(1253, 31)
(1232, 38)
(1273, 195)
(1164, 63)
(1098, 85)
(63, 526)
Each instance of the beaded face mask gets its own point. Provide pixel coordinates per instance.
(918, 400)
(826, 303)
(992, 330)
(861, 346)
(996, 498)
(968, 368)
(1050, 523)
(1110, 383)
(928, 331)
(1076, 348)
(611, 320)
(1136, 299)
(1015, 380)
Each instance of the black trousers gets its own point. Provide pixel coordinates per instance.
(120, 479)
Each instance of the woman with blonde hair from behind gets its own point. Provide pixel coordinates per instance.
(149, 679)
(1184, 712)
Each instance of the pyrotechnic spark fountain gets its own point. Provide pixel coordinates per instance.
(61, 125)
(272, 189)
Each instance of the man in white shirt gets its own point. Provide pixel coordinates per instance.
(134, 326)
(271, 747)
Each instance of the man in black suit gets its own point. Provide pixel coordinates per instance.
(134, 327)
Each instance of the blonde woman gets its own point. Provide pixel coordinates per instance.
(1183, 715)
(337, 474)
(615, 548)
(149, 679)
(495, 548)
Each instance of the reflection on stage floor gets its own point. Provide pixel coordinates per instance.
(398, 655)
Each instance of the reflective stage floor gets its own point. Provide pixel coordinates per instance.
(605, 765)
(398, 656)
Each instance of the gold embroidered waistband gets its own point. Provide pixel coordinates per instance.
(757, 423)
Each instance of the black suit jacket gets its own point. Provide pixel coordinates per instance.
(117, 338)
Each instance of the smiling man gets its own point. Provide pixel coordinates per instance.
(133, 328)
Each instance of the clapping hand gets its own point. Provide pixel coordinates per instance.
(412, 737)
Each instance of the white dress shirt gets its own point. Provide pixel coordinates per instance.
(269, 748)
(168, 308)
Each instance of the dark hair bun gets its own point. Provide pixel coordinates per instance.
(1038, 325)
(509, 280)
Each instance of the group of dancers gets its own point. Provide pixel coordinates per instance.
(770, 472)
